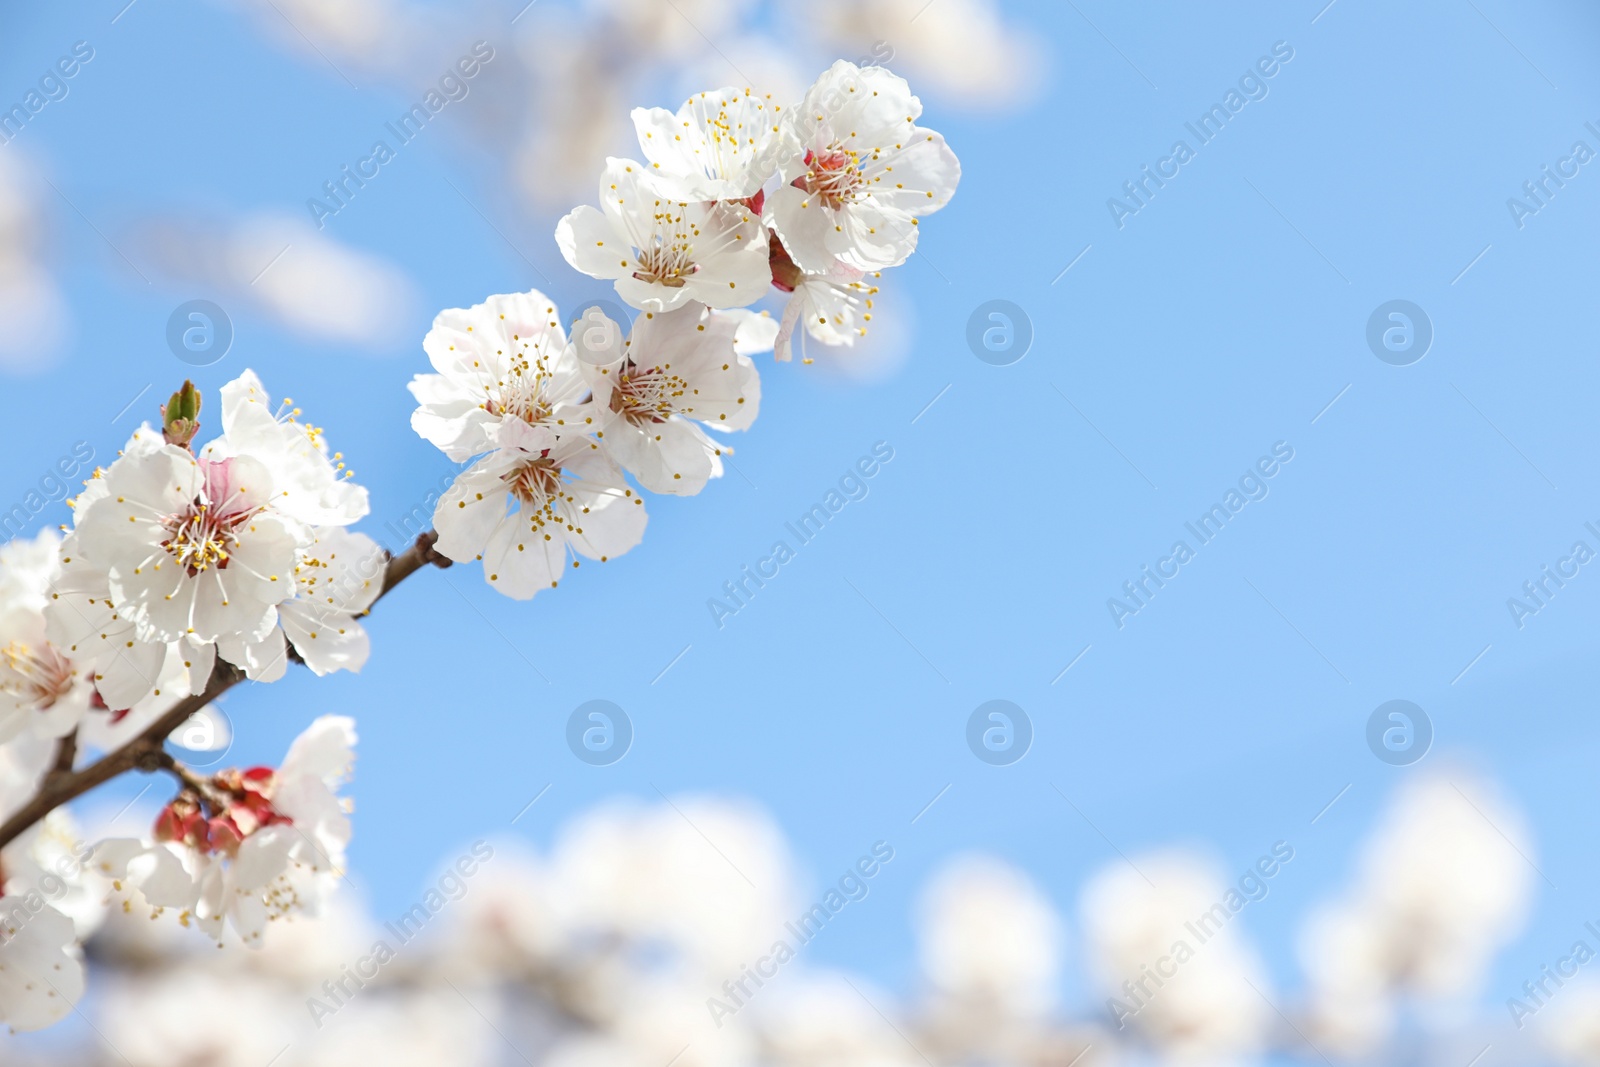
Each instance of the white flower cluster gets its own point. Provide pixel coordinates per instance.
(739, 194)
(245, 846)
(187, 567)
(178, 556)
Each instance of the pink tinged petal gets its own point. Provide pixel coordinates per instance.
(783, 344)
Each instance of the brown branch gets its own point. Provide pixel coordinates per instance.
(66, 753)
(145, 753)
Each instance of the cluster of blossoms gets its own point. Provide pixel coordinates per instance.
(189, 567)
(740, 195)
(178, 556)
(245, 846)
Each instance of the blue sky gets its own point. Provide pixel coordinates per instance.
(1219, 320)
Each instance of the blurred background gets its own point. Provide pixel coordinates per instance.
(1340, 346)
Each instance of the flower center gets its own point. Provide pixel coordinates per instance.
(202, 537)
(645, 395)
(524, 393)
(536, 483)
(204, 534)
(832, 175)
(666, 258)
(37, 676)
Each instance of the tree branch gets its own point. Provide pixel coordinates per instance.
(186, 777)
(145, 753)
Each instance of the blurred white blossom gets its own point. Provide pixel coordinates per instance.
(1171, 966)
(1444, 884)
(1572, 1032)
(989, 934)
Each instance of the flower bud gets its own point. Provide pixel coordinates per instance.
(180, 416)
(180, 820)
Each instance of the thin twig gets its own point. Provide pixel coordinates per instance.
(185, 775)
(145, 753)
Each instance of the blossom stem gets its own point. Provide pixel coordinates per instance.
(145, 753)
(186, 777)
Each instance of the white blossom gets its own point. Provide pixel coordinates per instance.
(41, 973)
(679, 371)
(864, 174)
(988, 933)
(835, 306)
(1443, 885)
(504, 359)
(720, 145)
(533, 500)
(1205, 1001)
(176, 557)
(258, 845)
(663, 252)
